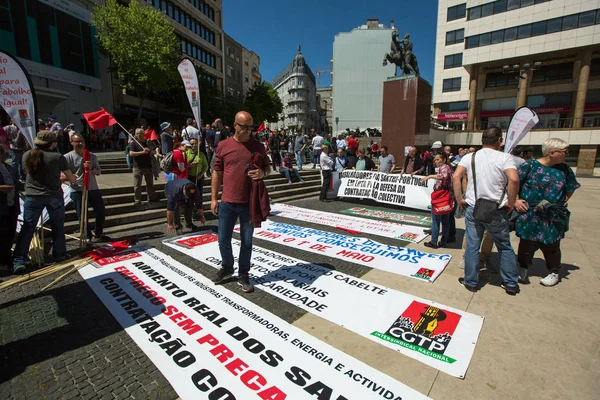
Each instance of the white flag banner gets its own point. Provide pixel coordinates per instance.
(18, 95)
(44, 217)
(385, 316)
(395, 259)
(349, 223)
(522, 121)
(192, 89)
(401, 190)
(211, 343)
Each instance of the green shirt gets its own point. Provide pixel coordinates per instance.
(200, 158)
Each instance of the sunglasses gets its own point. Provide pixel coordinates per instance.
(245, 127)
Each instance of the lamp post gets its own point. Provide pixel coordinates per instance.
(337, 125)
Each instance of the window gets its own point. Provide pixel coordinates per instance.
(497, 37)
(554, 25)
(499, 79)
(513, 4)
(487, 9)
(451, 85)
(454, 37)
(453, 61)
(587, 18)
(538, 28)
(554, 72)
(510, 34)
(474, 12)
(499, 6)
(454, 106)
(570, 22)
(485, 39)
(525, 3)
(524, 31)
(594, 70)
(472, 42)
(457, 12)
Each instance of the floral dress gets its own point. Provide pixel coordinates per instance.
(539, 182)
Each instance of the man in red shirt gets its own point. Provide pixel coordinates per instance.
(232, 161)
(179, 166)
(352, 145)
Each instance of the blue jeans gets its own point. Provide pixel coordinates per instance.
(435, 227)
(94, 200)
(32, 210)
(288, 175)
(316, 157)
(499, 230)
(16, 159)
(228, 215)
(299, 159)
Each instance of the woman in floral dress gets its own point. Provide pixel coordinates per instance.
(550, 181)
(443, 182)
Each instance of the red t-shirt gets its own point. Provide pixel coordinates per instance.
(179, 157)
(232, 158)
(352, 144)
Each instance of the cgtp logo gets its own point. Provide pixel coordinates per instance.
(424, 273)
(196, 241)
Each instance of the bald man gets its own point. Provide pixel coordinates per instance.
(232, 161)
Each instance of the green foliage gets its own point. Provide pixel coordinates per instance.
(263, 102)
(141, 44)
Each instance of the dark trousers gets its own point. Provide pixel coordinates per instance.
(94, 200)
(552, 254)
(188, 210)
(199, 182)
(8, 227)
(17, 157)
(276, 159)
(326, 181)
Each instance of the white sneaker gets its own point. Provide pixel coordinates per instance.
(461, 265)
(550, 280)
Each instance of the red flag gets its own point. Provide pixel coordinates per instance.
(99, 119)
(261, 127)
(86, 171)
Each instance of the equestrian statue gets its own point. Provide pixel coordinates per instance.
(401, 54)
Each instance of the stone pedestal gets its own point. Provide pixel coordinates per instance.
(406, 111)
(586, 160)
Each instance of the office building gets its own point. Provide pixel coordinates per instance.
(325, 103)
(250, 70)
(233, 77)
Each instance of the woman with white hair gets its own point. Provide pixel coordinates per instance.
(546, 186)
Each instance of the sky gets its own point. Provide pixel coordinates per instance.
(274, 28)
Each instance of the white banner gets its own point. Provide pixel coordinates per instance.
(18, 95)
(364, 308)
(394, 259)
(44, 217)
(211, 343)
(192, 89)
(400, 190)
(348, 223)
(522, 121)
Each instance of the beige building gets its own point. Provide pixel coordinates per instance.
(325, 107)
(495, 56)
(250, 70)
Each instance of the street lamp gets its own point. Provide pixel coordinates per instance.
(337, 125)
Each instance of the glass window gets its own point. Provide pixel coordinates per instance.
(510, 34)
(539, 28)
(570, 22)
(485, 39)
(587, 18)
(513, 4)
(598, 17)
(195, 52)
(472, 42)
(460, 35)
(525, 3)
(453, 61)
(487, 9)
(451, 14)
(170, 10)
(497, 37)
(475, 12)
(456, 12)
(455, 106)
(499, 6)
(554, 25)
(176, 14)
(451, 85)
(524, 31)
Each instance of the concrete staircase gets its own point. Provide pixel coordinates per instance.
(114, 165)
(122, 213)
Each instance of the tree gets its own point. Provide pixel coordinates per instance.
(142, 46)
(263, 102)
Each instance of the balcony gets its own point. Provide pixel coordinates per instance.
(297, 100)
(296, 110)
(297, 87)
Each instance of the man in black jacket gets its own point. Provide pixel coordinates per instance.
(275, 147)
(412, 163)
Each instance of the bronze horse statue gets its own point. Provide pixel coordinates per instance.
(401, 54)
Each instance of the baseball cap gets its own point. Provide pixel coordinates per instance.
(53, 117)
(187, 143)
(436, 145)
(44, 138)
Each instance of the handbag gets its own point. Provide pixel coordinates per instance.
(484, 210)
(441, 202)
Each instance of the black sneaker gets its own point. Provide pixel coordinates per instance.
(469, 288)
(102, 238)
(244, 282)
(427, 231)
(510, 290)
(222, 276)
(431, 245)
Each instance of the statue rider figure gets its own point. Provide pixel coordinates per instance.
(401, 54)
(410, 61)
(395, 55)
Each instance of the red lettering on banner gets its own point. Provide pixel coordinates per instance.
(319, 247)
(355, 255)
(122, 257)
(236, 366)
(287, 240)
(303, 242)
(268, 234)
(253, 379)
(178, 317)
(198, 240)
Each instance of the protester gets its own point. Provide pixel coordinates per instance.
(351, 146)
(326, 168)
(443, 182)
(149, 133)
(190, 131)
(496, 181)
(471, 150)
(363, 163)
(412, 163)
(122, 140)
(197, 165)
(387, 162)
(9, 209)
(375, 150)
(299, 145)
(19, 146)
(527, 153)
(317, 144)
(461, 153)
(274, 148)
(58, 130)
(43, 190)
(341, 162)
(233, 170)
(183, 193)
(287, 169)
(76, 166)
(179, 163)
(221, 132)
(547, 184)
(341, 143)
(142, 167)
(166, 138)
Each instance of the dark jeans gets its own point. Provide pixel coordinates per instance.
(188, 210)
(199, 182)
(316, 157)
(276, 159)
(552, 254)
(17, 157)
(436, 220)
(326, 181)
(32, 210)
(228, 215)
(8, 227)
(94, 200)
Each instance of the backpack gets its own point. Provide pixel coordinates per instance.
(166, 164)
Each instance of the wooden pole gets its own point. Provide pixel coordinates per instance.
(83, 222)
(79, 265)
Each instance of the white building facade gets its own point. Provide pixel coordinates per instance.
(297, 91)
(358, 76)
(495, 56)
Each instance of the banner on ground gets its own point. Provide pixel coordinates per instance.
(348, 223)
(190, 82)
(213, 344)
(402, 217)
(364, 308)
(522, 121)
(395, 259)
(44, 217)
(18, 95)
(401, 190)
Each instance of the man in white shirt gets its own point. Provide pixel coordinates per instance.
(496, 180)
(326, 168)
(190, 132)
(317, 144)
